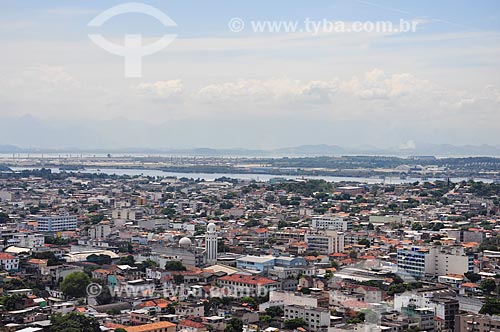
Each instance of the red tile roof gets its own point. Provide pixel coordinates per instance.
(190, 323)
(246, 279)
(150, 327)
(4, 256)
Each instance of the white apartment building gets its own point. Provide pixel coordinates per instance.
(448, 260)
(325, 242)
(331, 223)
(100, 231)
(416, 262)
(280, 298)
(127, 214)
(8, 262)
(57, 223)
(27, 240)
(317, 319)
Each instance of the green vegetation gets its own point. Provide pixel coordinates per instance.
(105, 296)
(51, 258)
(359, 318)
(473, 277)
(9, 302)
(491, 306)
(73, 322)
(490, 243)
(174, 266)
(148, 263)
(364, 242)
(294, 323)
(126, 260)
(4, 218)
(488, 285)
(57, 240)
(274, 311)
(403, 287)
(75, 284)
(234, 325)
(307, 188)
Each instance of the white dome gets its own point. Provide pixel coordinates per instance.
(185, 242)
(211, 227)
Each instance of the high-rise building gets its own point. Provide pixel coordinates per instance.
(331, 222)
(211, 244)
(477, 323)
(325, 242)
(317, 319)
(416, 262)
(440, 299)
(57, 223)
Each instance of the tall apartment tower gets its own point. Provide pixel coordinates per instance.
(211, 244)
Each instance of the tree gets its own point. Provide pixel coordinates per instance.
(9, 302)
(270, 198)
(416, 227)
(252, 223)
(174, 266)
(148, 263)
(294, 323)
(4, 218)
(490, 243)
(360, 317)
(473, 277)
(73, 322)
(234, 325)
(364, 242)
(274, 311)
(126, 260)
(437, 226)
(104, 296)
(178, 279)
(396, 288)
(488, 285)
(49, 256)
(75, 284)
(491, 306)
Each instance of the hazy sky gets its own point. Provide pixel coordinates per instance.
(212, 87)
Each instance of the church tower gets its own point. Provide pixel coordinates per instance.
(211, 244)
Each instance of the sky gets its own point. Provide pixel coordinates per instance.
(216, 86)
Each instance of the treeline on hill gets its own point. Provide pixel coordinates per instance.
(47, 174)
(306, 188)
(485, 163)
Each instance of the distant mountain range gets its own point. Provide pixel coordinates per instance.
(438, 150)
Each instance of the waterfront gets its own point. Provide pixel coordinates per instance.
(249, 176)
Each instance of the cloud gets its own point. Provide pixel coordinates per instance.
(373, 85)
(161, 89)
(274, 90)
(44, 79)
(408, 145)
